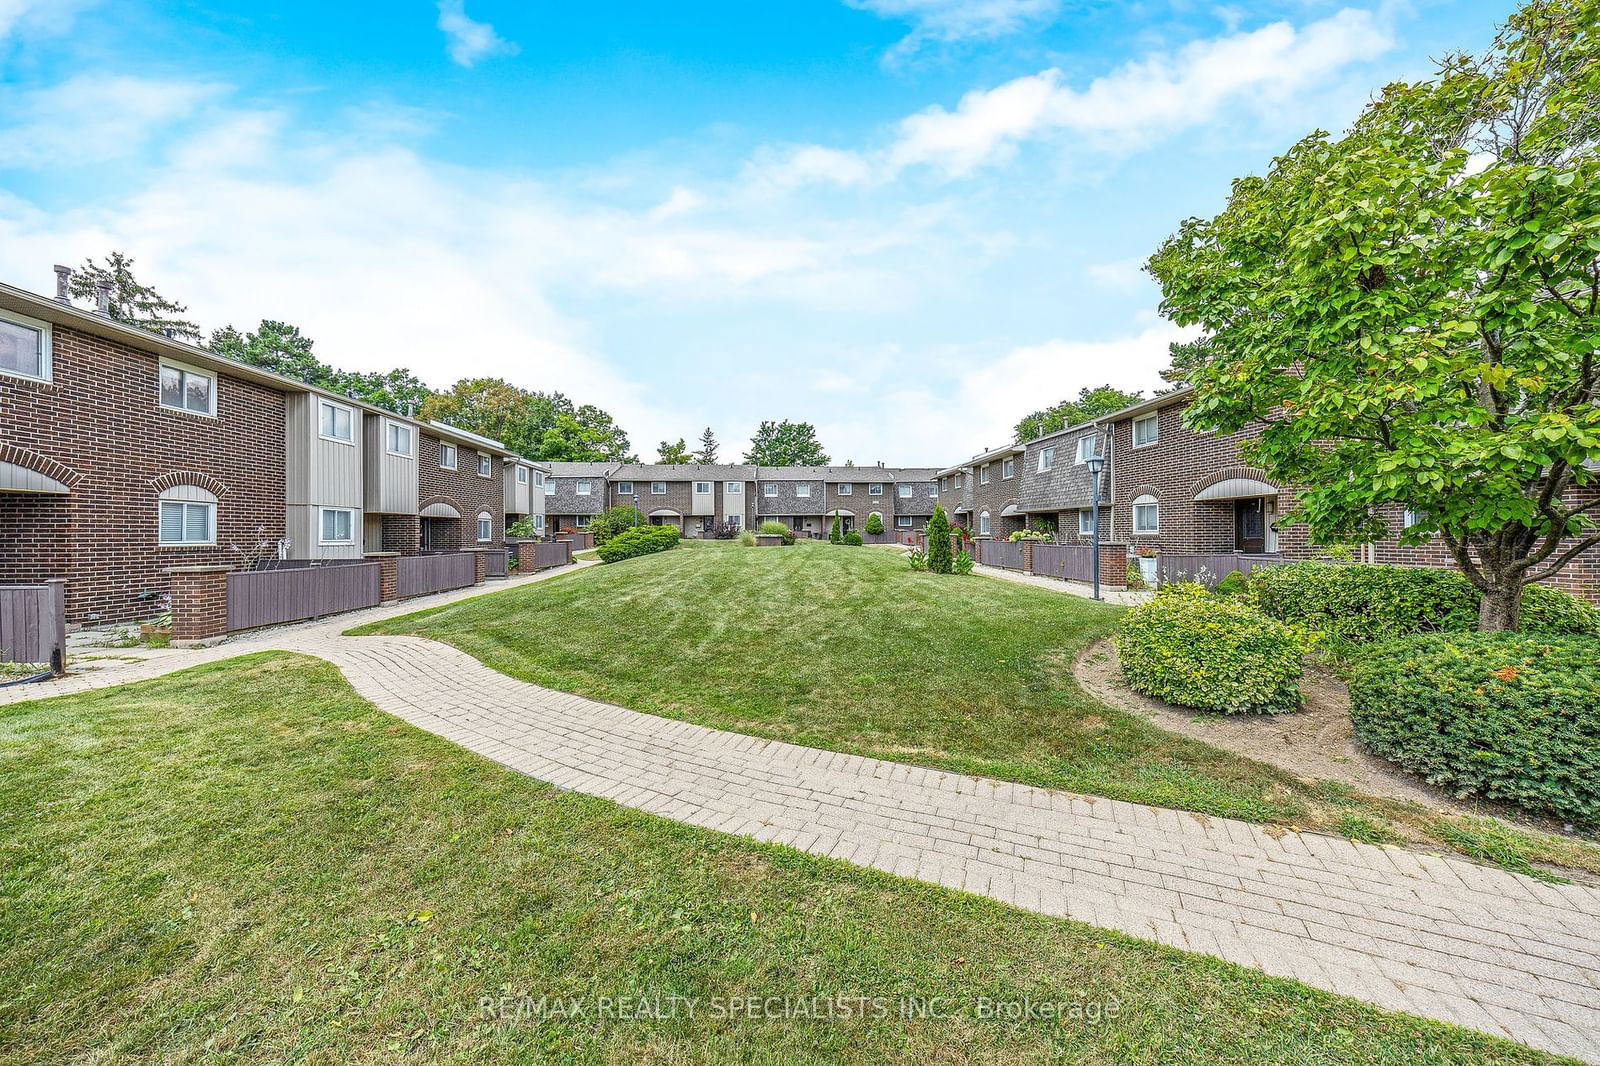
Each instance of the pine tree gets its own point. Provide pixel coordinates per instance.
(708, 447)
(939, 558)
(874, 523)
(836, 535)
(132, 302)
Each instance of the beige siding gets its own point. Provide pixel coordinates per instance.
(519, 498)
(321, 472)
(391, 483)
(304, 525)
(703, 503)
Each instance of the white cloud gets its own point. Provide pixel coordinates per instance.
(95, 118)
(41, 16)
(681, 201)
(1134, 104)
(1118, 274)
(470, 40)
(957, 20)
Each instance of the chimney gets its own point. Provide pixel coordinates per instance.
(63, 283)
(102, 296)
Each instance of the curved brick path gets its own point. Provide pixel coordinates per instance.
(1442, 938)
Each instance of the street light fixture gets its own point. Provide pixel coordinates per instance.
(636, 510)
(1096, 463)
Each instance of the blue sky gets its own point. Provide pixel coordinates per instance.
(907, 221)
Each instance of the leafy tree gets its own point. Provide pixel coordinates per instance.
(786, 444)
(1090, 404)
(132, 301)
(614, 521)
(836, 534)
(674, 453)
(1409, 312)
(708, 447)
(939, 560)
(283, 349)
(538, 425)
(874, 523)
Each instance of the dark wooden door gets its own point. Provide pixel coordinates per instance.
(1250, 525)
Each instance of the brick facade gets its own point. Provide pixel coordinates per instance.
(463, 489)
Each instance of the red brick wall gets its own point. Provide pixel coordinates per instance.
(462, 489)
(100, 418)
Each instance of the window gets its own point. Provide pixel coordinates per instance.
(24, 347)
(1411, 518)
(658, 488)
(580, 521)
(983, 474)
(485, 527)
(875, 489)
(735, 520)
(904, 491)
(1146, 515)
(338, 526)
(983, 522)
(846, 489)
(1086, 448)
(183, 388)
(1008, 469)
(933, 492)
(902, 521)
(549, 486)
(734, 488)
(522, 475)
(1146, 430)
(1086, 523)
(336, 422)
(624, 488)
(584, 487)
(447, 456)
(958, 481)
(538, 523)
(485, 465)
(769, 490)
(703, 487)
(803, 490)
(188, 516)
(397, 438)
(1047, 459)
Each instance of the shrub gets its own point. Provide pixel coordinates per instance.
(853, 539)
(918, 558)
(874, 523)
(748, 538)
(836, 534)
(522, 527)
(614, 521)
(1364, 602)
(641, 541)
(772, 526)
(1233, 584)
(722, 531)
(1028, 534)
(1506, 716)
(1210, 653)
(939, 541)
(1135, 577)
(961, 564)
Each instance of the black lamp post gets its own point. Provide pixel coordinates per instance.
(1096, 464)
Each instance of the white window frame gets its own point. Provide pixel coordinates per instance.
(45, 347)
(583, 487)
(904, 492)
(1410, 518)
(624, 488)
(329, 405)
(485, 527)
(580, 521)
(957, 485)
(1148, 420)
(1086, 523)
(983, 474)
(193, 371)
(549, 484)
(875, 488)
(1093, 441)
(485, 465)
(185, 497)
(708, 490)
(1008, 469)
(770, 490)
(933, 492)
(538, 523)
(983, 523)
(1140, 503)
(902, 521)
(322, 528)
(452, 452)
(389, 426)
(658, 488)
(802, 490)
(522, 475)
(733, 488)
(845, 488)
(1047, 459)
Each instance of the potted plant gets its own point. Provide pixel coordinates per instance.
(1147, 564)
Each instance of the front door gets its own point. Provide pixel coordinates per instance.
(1250, 525)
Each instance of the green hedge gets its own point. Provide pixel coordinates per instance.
(639, 541)
(1506, 716)
(1210, 653)
(1364, 602)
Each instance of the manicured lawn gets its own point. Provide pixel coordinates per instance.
(248, 861)
(848, 649)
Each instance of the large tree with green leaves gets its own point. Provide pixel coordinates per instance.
(283, 349)
(1410, 313)
(786, 443)
(132, 301)
(1090, 404)
(539, 425)
(677, 453)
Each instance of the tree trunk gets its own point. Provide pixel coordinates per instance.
(1501, 607)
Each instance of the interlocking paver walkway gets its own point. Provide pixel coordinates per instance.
(1438, 937)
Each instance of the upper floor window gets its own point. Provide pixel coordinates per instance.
(1047, 459)
(485, 465)
(185, 388)
(983, 474)
(846, 489)
(1411, 518)
(1146, 515)
(703, 487)
(188, 516)
(957, 481)
(522, 475)
(337, 422)
(1008, 469)
(658, 488)
(624, 488)
(338, 525)
(933, 491)
(1146, 430)
(549, 486)
(803, 490)
(904, 491)
(769, 489)
(1087, 448)
(24, 347)
(875, 489)
(734, 488)
(485, 527)
(397, 438)
(584, 487)
(447, 456)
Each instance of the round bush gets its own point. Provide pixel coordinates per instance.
(853, 538)
(1210, 653)
(1506, 716)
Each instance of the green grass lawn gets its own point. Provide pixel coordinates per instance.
(848, 649)
(247, 861)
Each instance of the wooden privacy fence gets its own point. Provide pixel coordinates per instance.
(1069, 562)
(495, 564)
(292, 594)
(1209, 568)
(33, 623)
(418, 575)
(551, 553)
(1001, 553)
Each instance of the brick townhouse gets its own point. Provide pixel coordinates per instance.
(124, 453)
